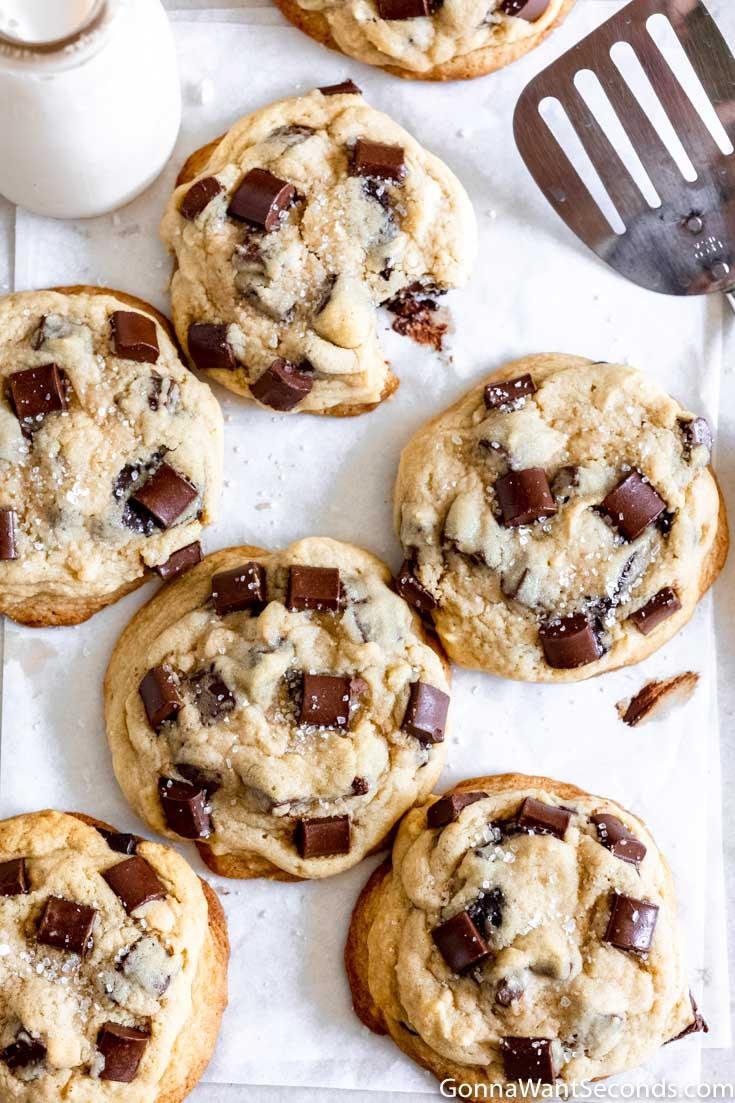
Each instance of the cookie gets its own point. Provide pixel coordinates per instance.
(426, 39)
(113, 967)
(110, 452)
(282, 709)
(287, 234)
(523, 930)
(560, 520)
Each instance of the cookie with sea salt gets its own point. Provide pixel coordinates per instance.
(281, 709)
(560, 520)
(113, 968)
(110, 452)
(522, 930)
(289, 232)
(429, 39)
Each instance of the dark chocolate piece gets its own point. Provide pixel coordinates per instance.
(260, 198)
(14, 878)
(160, 695)
(200, 779)
(134, 337)
(661, 606)
(244, 587)
(212, 696)
(385, 162)
(615, 837)
(697, 1026)
(528, 1059)
(524, 497)
(447, 809)
(325, 835)
(184, 808)
(326, 701)
(120, 841)
(410, 589)
(199, 196)
(345, 87)
(135, 883)
(403, 9)
(530, 10)
(66, 925)
(313, 588)
(426, 713)
(633, 505)
(122, 1048)
(459, 942)
(631, 924)
(487, 910)
(181, 561)
(24, 1051)
(165, 495)
(37, 392)
(508, 391)
(360, 786)
(282, 385)
(543, 819)
(209, 347)
(8, 534)
(569, 642)
(695, 433)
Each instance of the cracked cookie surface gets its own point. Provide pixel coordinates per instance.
(287, 235)
(560, 520)
(282, 709)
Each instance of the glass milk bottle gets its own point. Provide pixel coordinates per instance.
(90, 103)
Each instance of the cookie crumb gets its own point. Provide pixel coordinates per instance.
(657, 698)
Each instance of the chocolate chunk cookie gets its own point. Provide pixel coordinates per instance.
(523, 930)
(110, 451)
(290, 231)
(113, 967)
(281, 709)
(560, 520)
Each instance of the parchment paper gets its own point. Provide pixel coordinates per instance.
(534, 289)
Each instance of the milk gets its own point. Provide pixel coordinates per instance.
(91, 104)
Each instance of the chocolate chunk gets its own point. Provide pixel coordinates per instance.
(14, 878)
(313, 588)
(508, 391)
(165, 495)
(697, 1026)
(524, 497)
(569, 642)
(447, 809)
(160, 695)
(260, 198)
(426, 713)
(200, 779)
(377, 159)
(326, 701)
(209, 347)
(325, 835)
(8, 539)
(122, 1048)
(631, 924)
(283, 385)
(135, 883)
(656, 698)
(633, 505)
(615, 837)
(134, 337)
(184, 808)
(120, 841)
(663, 605)
(37, 392)
(345, 88)
(212, 696)
(24, 1051)
(506, 991)
(459, 942)
(244, 587)
(695, 433)
(180, 561)
(543, 819)
(410, 589)
(530, 10)
(199, 196)
(66, 925)
(402, 9)
(487, 910)
(528, 1059)
(360, 786)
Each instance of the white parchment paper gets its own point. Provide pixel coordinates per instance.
(534, 289)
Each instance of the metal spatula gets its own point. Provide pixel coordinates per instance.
(687, 245)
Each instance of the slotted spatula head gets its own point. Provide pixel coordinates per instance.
(687, 245)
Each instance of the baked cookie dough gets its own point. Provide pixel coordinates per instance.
(287, 234)
(560, 520)
(283, 709)
(523, 930)
(113, 965)
(429, 39)
(110, 451)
